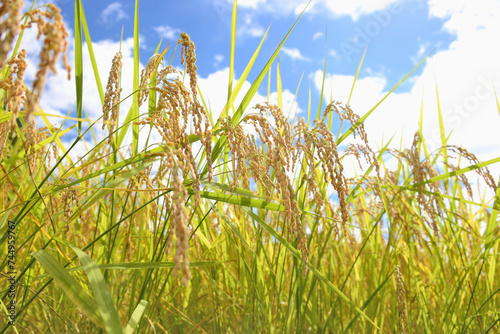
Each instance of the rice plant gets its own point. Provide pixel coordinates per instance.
(241, 224)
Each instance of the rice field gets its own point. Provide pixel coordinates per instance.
(245, 223)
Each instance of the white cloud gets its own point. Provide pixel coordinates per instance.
(465, 19)
(253, 4)
(170, 33)
(357, 8)
(423, 49)
(294, 54)
(338, 87)
(218, 59)
(250, 27)
(301, 6)
(353, 8)
(464, 73)
(214, 90)
(317, 35)
(113, 13)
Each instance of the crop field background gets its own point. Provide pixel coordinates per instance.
(151, 206)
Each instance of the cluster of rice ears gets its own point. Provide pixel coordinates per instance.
(220, 229)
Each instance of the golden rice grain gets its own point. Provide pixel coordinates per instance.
(112, 96)
(54, 44)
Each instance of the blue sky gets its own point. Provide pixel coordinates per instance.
(403, 24)
(397, 35)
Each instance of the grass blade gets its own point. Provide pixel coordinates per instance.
(70, 286)
(136, 317)
(104, 300)
(365, 116)
(78, 64)
(315, 271)
(91, 53)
